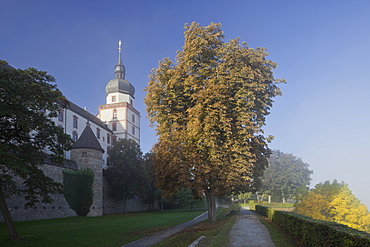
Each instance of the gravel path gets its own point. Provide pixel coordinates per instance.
(158, 237)
(248, 231)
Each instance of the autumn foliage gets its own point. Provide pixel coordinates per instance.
(335, 202)
(208, 107)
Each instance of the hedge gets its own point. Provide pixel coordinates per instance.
(78, 190)
(316, 232)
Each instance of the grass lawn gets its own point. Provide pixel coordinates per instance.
(109, 230)
(217, 233)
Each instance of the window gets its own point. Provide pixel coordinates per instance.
(133, 118)
(108, 138)
(75, 118)
(98, 133)
(133, 130)
(114, 139)
(131, 102)
(61, 115)
(114, 113)
(74, 136)
(114, 126)
(114, 98)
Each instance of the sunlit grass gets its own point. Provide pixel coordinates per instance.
(217, 233)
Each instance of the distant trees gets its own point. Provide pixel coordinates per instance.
(186, 197)
(333, 201)
(209, 106)
(28, 136)
(126, 174)
(286, 175)
(244, 196)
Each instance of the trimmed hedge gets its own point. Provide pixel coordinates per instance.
(316, 232)
(78, 190)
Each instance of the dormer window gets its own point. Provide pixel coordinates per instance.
(114, 98)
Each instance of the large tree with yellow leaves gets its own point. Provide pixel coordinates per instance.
(209, 107)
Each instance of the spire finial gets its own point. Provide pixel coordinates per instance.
(120, 69)
(119, 52)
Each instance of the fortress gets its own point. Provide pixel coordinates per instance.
(93, 137)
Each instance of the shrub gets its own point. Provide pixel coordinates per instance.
(78, 190)
(316, 232)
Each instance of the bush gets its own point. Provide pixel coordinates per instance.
(78, 190)
(316, 232)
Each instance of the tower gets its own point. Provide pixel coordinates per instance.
(119, 112)
(88, 153)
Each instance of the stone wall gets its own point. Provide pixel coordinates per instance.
(113, 206)
(58, 209)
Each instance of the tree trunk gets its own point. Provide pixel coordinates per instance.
(283, 199)
(13, 235)
(269, 198)
(211, 204)
(124, 205)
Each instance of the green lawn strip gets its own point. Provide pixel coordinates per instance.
(278, 235)
(217, 233)
(109, 230)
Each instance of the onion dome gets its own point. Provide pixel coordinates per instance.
(120, 85)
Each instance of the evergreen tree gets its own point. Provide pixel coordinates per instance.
(209, 106)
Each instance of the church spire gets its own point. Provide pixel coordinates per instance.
(120, 70)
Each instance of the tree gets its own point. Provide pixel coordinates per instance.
(209, 107)
(186, 197)
(244, 196)
(333, 201)
(126, 174)
(285, 175)
(28, 136)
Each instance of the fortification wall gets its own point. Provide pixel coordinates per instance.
(113, 206)
(58, 209)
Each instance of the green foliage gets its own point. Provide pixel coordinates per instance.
(335, 202)
(27, 105)
(126, 174)
(316, 232)
(244, 196)
(78, 190)
(285, 175)
(186, 197)
(209, 107)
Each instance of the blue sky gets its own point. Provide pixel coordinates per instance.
(322, 49)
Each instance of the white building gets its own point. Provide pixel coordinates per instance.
(117, 119)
